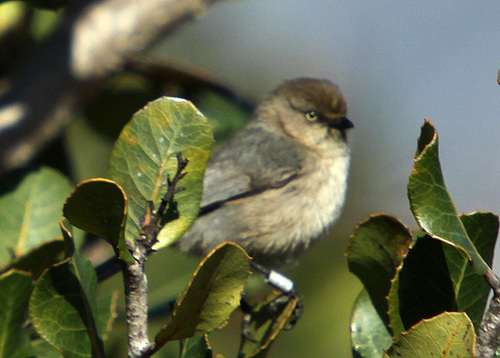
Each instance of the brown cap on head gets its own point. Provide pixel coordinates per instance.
(305, 94)
(320, 101)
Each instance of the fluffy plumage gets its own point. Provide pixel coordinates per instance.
(279, 185)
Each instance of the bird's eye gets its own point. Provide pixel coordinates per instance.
(311, 116)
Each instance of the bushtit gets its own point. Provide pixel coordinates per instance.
(279, 185)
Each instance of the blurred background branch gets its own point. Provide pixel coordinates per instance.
(94, 39)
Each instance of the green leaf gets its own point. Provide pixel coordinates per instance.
(39, 258)
(437, 277)
(448, 335)
(67, 233)
(117, 100)
(212, 294)
(425, 289)
(99, 206)
(375, 253)
(15, 290)
(63, 308)
(431, 203)
(145, 155)
(195, 347)
(88, 150)
(30, 208)
(40, 348)
(369, 335)
(471, 290)
(106, 313)
(264, 327)
(395, 321)
(224, 113)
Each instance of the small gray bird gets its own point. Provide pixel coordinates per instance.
(279, 185)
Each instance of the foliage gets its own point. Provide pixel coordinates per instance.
(63, 303)
(416, 280)
(424, 291)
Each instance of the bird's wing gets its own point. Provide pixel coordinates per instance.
(254, 161)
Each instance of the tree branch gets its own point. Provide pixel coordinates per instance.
(488, 336)
(134, 275)
(94, 40)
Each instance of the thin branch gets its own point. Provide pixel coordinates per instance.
(172, 189)
(488, 337)
(136, 302)
(95, 39)
(134, 275)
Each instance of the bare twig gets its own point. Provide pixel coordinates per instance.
(136, 302)
(134, 275)
(172, 183)
(95, 39)
(488, 337)
(151, 226)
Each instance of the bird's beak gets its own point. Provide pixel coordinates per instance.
(341, 124)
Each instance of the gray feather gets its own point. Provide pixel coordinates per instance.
(271, 163)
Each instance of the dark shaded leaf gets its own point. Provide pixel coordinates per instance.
(265, 326)
(15, 290)
(375, 253)
(425, 288)
(195, 347)
(48, 4)
(99, 206)
(40, 258)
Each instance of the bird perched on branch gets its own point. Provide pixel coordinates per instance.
(279, 185)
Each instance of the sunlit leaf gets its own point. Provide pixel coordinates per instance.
(30, 208)
(431, 203)
(450, 334)
(212, 294)
(145, 155)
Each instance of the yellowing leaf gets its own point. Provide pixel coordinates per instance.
(449, 334)
(145, 155)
